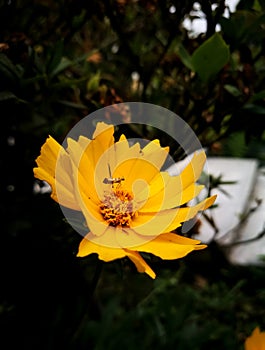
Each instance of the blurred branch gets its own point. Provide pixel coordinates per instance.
(258, 236)
(211, 18)
(207, 9)
(244, 218)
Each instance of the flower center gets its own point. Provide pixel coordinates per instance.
(117, 207)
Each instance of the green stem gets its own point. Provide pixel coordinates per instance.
(96, 277)
(92, 300)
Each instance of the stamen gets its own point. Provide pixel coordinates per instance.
(117, 207)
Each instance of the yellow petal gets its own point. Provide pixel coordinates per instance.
(155, 186)
(86, 155)
(83, 166)
(66, 197)
(193, 170)
(102, 140)
(109, 161)
(97, 159)
(153, 224)
(49, 154)
(104, 131)
(155, 154)
(118, 237)
(88, 205)
(136, 169)
(122, 151)
(140, 263)
(186, 178)
(108, 238)
(122, 138)
(171, 195)
(188, 213)
(55, 168)
(87, 247)
(256, 341)
(167, 191)
(142, 167)
(128, 238)
(170, 246)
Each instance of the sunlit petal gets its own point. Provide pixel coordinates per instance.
(170, 195)
(256, 341)
(102, 140)
(155, 154)
(170, 246)
(188, 213)
(136, 168)
(128, 238)
(90, 210)
(140, 263)
(83, 169)
(167, 191)
(153, 224)
(87, 247)
(193, 170)
(52, 161)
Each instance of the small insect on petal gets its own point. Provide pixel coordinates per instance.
(111, 181)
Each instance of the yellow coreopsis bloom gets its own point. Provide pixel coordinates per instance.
(129, 205)
(256, 341)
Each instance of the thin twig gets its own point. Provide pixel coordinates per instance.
(260, 235)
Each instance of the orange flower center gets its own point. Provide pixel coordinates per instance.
(117, 207)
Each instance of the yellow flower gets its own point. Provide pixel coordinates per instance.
(129, 205)
(256, 341)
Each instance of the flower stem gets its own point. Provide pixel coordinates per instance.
(93, 308)
(96, 277)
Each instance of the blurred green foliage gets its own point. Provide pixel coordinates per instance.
(60, 61)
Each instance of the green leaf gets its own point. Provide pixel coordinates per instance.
(257, 6)
(262, 4)
(252, 108)
(8, 69)
(232, 90)
(66, 63)
(56, 57)
(242, 27)
(7, 95)
(93, 82)
(258, 96)
(62, 65)
(208, 59)
(72, 104)
(10, 96)
(185, 57)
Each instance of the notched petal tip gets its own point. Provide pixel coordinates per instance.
(140, 263)
(256, 340)
(103, 127)
(49, 153)
(122, 138)
(105, 253)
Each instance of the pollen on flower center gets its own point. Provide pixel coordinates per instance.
(117, 207)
